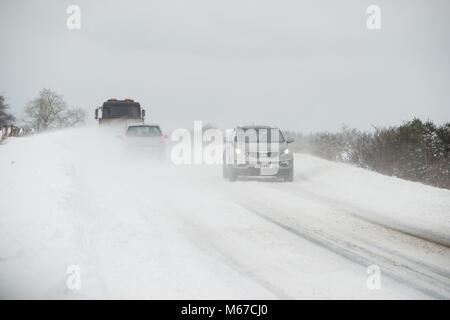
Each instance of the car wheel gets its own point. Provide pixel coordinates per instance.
(289, 177)
(232, 175)
(225, 172)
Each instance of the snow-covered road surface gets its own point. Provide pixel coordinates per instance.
(144, 230)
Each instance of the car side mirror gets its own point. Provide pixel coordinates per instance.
(96, 113)
(289, 140)
(143, 113)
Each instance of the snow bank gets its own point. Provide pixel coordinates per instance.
(408, 206)
(146, 230)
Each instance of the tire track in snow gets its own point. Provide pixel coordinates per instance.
(425, 235)
(349, 210)
(197, 231)
(215, 250)
(428, 282)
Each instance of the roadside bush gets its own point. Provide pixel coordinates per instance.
(415, 150)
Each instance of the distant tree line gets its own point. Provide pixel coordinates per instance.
(47, 111)
(6, 118)
(416, 150)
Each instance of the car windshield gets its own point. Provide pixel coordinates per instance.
(260, 135)
(144, 131)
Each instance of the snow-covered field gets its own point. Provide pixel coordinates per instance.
(138, 229)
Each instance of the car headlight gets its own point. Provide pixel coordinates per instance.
(286, 151)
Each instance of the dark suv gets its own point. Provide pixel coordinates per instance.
(257, 151)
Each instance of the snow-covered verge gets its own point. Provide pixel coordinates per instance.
(411, 207)
(139, 229)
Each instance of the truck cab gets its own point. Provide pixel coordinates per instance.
(120, 113)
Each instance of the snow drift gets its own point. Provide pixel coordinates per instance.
(138, 229)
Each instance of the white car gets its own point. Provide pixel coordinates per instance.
(145, 140)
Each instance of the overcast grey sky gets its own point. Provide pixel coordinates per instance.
(301, 65)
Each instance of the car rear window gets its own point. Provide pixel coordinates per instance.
(144, 131)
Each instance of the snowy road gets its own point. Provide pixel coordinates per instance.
(142, 230)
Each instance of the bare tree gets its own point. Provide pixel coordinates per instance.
(74, 116)
(49, 110)
(5, 117)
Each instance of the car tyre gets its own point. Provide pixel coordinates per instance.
(232, 175)
(289, 177)
(225, 171)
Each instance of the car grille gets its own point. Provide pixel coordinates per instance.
(262, 154)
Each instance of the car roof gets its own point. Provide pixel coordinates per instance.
(256, 127)
(143, 125)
